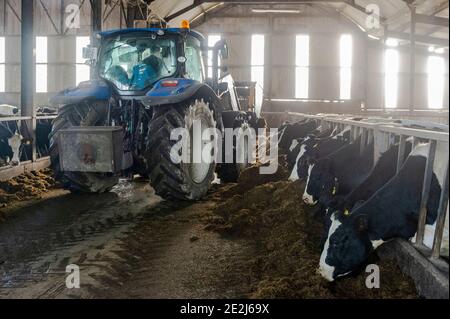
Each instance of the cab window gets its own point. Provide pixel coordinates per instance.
(194, 61)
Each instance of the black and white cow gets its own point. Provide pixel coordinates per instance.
(311, 151)
(8, 110)
(6, 153)
(14, 148)
(383, 171)
(314, 138)
(392, 212)
(338, 174)
(10, 149)
(289, 132)
(43, 130)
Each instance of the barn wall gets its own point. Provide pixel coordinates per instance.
(237, 27)
(280, 35)
(368, 65)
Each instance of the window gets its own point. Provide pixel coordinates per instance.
(346, 63)
(302, 67)
(194, 67)
(134, 62)
(83, 71)
(257, 65)
(2, 64)
(212, 40)
(391, 66)
(435, 70)
(41, 64)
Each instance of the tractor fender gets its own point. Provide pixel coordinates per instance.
(179, 91)
(95, 90)
(182, 90)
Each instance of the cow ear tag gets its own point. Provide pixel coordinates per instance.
(334, 190)
(346, 212)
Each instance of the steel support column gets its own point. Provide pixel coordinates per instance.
(96, 16)
(96, 25)
(412, 57)
(27, 87)
(27, 70)
(269, 68)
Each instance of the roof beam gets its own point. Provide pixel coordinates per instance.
(432, 20)
(433, 12)
(195, 4)
(419, 38)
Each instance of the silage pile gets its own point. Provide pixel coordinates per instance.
(26, 186)
(268, 211)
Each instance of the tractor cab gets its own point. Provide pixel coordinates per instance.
(133, 61)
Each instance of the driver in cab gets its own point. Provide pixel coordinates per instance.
(149, 69)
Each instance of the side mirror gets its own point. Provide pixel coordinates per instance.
(224, 52)
(90, 53)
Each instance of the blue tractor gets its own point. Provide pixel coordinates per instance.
(146, 83)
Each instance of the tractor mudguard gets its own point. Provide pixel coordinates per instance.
(174, 91)
(178, 90)
(95, 90)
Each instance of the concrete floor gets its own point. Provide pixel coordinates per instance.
(128, 244)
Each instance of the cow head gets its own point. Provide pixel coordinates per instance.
(15, 142)
(347, 245)
(309, 157)
(303, 164)
(321, 184)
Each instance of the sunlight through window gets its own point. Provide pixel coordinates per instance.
(212, 40)
(41, 64)
(391, 78)
(435, 70)
(83, 71)
(302, 67)
(257, 65)
(346, 63)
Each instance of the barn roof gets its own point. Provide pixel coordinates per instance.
(431, 27)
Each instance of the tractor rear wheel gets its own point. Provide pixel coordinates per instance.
(173, 172)
(87, 114)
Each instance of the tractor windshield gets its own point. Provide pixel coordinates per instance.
(134, 62)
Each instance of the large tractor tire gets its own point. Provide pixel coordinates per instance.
(230, 172)
(87, 114)
(171, 178)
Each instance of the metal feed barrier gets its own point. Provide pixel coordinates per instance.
(36, 162)
(383, 133)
